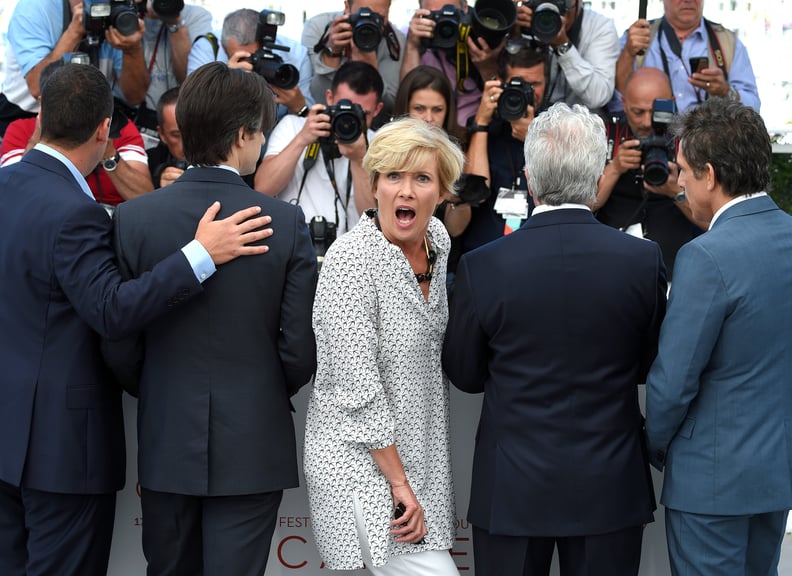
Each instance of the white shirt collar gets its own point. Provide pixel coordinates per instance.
(732, 202)
(547, 208)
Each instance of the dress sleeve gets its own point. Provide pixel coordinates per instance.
(346, 325)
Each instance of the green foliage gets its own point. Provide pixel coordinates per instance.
(781, 182)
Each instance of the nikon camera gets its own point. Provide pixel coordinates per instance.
(513, 102)
(101, 14)
(264, 61)
(367, 28)
(347, 121)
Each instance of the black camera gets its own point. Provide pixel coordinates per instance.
(269, 65)
(265, 62)
(658, 149)
(471, 189)
(492, 20)
(546, 22)
(101, 14)
(366, 29)
(347, 121)
(168, 8)
(513, 102)
(447, 22)
(180, 164)
(323, 234)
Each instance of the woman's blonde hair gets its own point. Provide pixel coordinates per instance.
(406, 144)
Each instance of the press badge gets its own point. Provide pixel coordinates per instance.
(512, 203)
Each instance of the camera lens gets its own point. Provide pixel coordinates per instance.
(346, 127)
(546, 22)
(366, 36)
(445, 33)
(512, 104)
(655, 163)
(124, 19)
(286, 77)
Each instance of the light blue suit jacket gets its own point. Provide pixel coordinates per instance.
(719, 394)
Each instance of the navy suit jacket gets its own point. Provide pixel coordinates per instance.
(557, 324)
(61, 425)
(214, 416)
(719, 396)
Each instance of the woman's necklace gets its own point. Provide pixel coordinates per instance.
(431, 256)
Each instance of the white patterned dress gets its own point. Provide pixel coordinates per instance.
(379, 381)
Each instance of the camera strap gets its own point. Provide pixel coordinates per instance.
(394, 47)
(309, 161)
(462, 57)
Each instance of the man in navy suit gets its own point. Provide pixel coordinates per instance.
(61, 425)
(216, 438)
(719, 395)
(557, 323)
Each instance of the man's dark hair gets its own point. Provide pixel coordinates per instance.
(168, 98)
(214, 103)
(75, 100)
(732, 138)
(361, 77)
(524, 55)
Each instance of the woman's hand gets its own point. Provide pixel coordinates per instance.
(410, 526)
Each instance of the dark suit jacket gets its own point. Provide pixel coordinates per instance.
(214, 414)
(61, 426)
(557, 324)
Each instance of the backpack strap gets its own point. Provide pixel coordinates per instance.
(212, 40)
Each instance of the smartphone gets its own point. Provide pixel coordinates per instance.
(698, 63)
(399, 510)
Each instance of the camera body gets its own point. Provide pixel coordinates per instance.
(659, 148)
(347, 121)
(513, 102)
(367, 28)
(323, 234)
(546, 22)
(101, 14)
(447, 23)
(265, 62)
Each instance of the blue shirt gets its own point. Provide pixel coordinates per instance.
(202, 53)
(199, 259)
(741, 75)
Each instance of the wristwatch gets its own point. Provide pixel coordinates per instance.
(178, 26)
(733, 94)
(110, 164)
(562, 49)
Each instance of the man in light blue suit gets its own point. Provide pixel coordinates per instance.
(719, 394)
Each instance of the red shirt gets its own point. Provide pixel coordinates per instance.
(129, 146)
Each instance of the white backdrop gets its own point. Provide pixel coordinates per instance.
(293, 552)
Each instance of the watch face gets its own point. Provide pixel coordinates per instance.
(110, 164)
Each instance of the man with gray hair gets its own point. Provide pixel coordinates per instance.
(241, 38)
(557, 324)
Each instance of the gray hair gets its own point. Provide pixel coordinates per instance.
(565, 152)
(240, 25)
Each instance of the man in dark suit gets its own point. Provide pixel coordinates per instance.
(61, 425)
(557, 324)
(216, 437)
(718, 397)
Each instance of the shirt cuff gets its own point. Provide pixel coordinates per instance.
(199, 259)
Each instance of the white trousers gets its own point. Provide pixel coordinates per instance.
(428, 563)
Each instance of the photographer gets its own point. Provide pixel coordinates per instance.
(624, 199)
(166, 161)
(326, 180)
(420, 49)
(584, 52)
(331, 41)
(495, 149)
(121, 175)
(171, 29)
(42, 31)
(240, 40)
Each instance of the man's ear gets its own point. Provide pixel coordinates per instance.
(103, 131)
(712, 177)
(329, 97)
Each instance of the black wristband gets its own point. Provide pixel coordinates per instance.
(478, 128)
